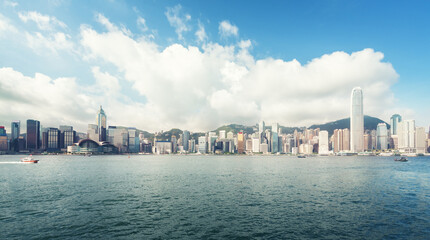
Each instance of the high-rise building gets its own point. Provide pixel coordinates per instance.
(3, 139)
(15, 130)
(67, 136)
(240, 142)
(261, 127)
(93, 132)
(420, 140)
(382, 136)
(256, 145)
(323, 142)
(222, 134)
(275, 142)
(185, 139)
(357, 120)
(133, 140)
(53, 139)
(395, 120)
(406, 134)
(33, 135)
(101, 125)
(202, 144)
(118, 136)
(275, 128)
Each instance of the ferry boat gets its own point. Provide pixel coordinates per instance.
(29, 159)
(402, 159)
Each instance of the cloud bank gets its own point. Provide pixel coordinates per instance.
(196, 87)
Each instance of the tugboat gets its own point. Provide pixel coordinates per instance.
(402, 159)
(29, 159)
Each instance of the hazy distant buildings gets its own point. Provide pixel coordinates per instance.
(357, 120)
(33, 135)
(93, 132)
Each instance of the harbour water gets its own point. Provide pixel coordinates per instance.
(213, 197)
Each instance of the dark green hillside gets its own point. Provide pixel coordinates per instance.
(370, 123)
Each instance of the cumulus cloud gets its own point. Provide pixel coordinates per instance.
(178, 20)
(10, 3)
(43, 22)
(200, 89)
(53, 42)
(226, 29)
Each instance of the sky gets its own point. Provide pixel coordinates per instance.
(197, 65)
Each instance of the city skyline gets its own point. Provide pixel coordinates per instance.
(162, 65)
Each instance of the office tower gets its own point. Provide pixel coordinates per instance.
(192, 146)
(44, 139)
(248, 145)
(230, 135)
(101, 125)
(420, 140)
(53, 139)
(275, 142)
(185, 139)
(240, 142)
(202, 144)
(15, 130)
(133, 140)
(67, 136)
(3, 139)
(221, 134)
(366, 137)
(256, 145)
(382, 136)
(357, 120)
(395, 120)
(174, 143)
(406, 134)
(346, 146)
(33, 135)
(261, 127)
(118, 136)
(93, 132)
(323, 142)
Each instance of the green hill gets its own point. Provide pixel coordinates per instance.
(370, 123)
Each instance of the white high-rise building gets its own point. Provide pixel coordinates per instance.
(420, 140)
(222, 134)
(323, 143)
(357, 120)
(256, 145)
(406, 134)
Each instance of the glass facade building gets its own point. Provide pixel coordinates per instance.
(394, 121)
(101, 125)
(33, 135)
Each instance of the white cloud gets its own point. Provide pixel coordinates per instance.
(226, 29)
(141, 23)
(6, 26)
(10, 3)
(178, 20)
(200, 89)
(106, 82)
(44, 22)
(201, 33)
(53, 42)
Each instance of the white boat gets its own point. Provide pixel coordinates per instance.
(29, 159)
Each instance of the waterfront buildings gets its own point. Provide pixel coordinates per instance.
(240, 142)
(357, 120)
(185, 140)
(406, 134)
(15, 130)
(202, 144)
(3, 140)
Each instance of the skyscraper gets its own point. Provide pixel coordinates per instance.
(33, 134)
(3, 139)
(101, 124)
(382, 136)
(15, 130)
(395, 120)
(323, 142)
(185, 139)
(357, 120)
(240, 142)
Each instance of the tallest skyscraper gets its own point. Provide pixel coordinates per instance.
(357, 120)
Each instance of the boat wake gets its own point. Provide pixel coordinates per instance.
(11, 162)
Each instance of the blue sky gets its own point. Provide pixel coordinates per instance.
(285, 30)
